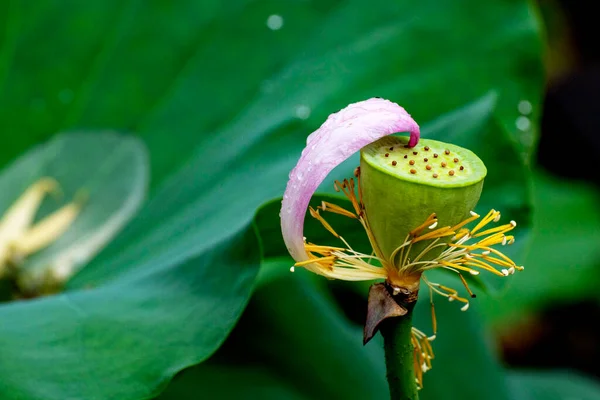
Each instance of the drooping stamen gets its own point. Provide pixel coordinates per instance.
(315, 214)
(347, 187)
(333, 208)
(422, 354)
(464, 282)
(433, 317)
(341, 262)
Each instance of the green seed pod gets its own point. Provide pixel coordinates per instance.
(403, 186)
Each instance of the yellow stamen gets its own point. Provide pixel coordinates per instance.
(19, 217)
(433, 316)
(438, 233)
(325, 261)
(499, 254)
(501, 229)
(313, 248)
(466, 285)
(497, 238)
(332, 208)
(480, 264)
(315, 214)
(430, 220)
(347, 186)
(459, 267)
(492, 215)
(47, 230)
(472, 218)
(494, 260)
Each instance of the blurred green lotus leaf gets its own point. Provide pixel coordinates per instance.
(109, 170)
(555, 385)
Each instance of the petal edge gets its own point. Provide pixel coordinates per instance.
(341, 135)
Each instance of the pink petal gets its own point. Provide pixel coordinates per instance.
(343, 134)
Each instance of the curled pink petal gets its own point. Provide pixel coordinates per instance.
(343, 134)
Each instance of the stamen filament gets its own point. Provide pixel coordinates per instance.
(438, 233)
(429, 221)
(472, 218)
(315, 214)
(481, 264)
(459, 267)
(492, 215)
(501, 228)
(332, 208)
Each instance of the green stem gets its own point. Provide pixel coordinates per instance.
(398, 347)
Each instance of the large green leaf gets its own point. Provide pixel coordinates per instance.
(229, 381)
(295, 333)
(173, 69)
(537, 385)
(68, 343)
(124, 340)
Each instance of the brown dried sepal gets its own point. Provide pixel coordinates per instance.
(380, 305)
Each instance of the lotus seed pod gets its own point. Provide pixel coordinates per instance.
(403, 186)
